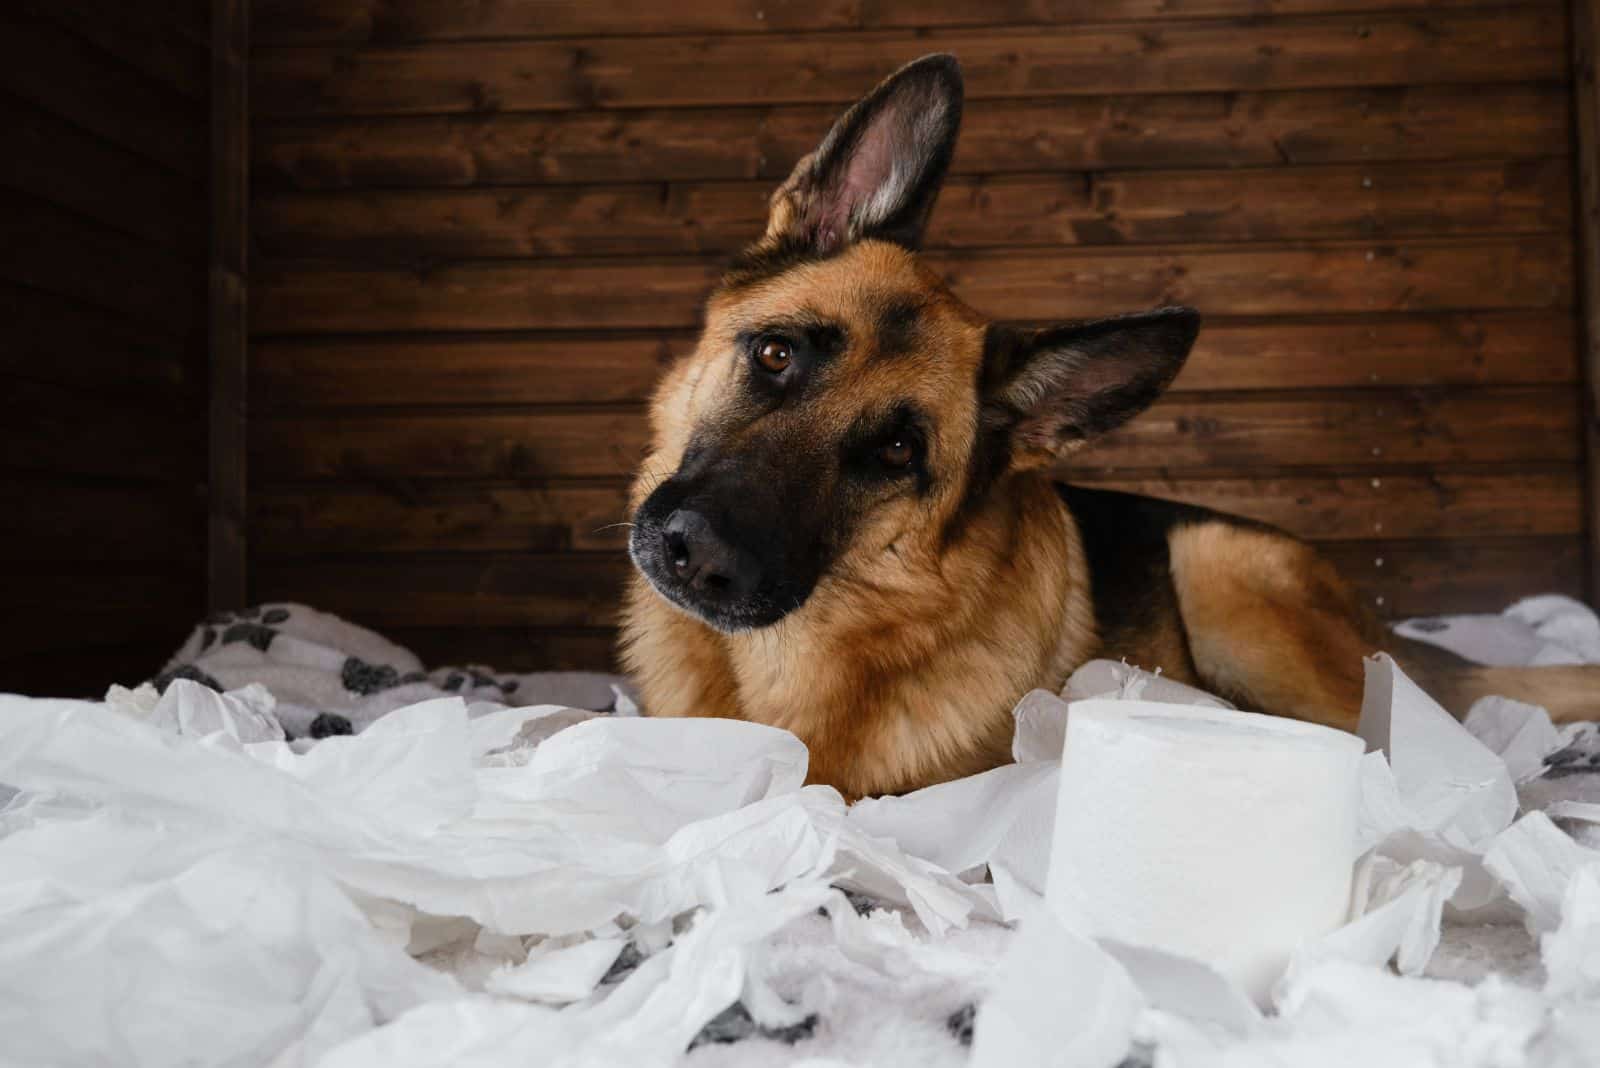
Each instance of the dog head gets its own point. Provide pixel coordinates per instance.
(844, 414)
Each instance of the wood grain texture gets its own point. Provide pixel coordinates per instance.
(62, 431)
(1586, 111)
(102, 305)
(490, 590)
(1528, 272)
(485, 229)
(148, 37)
(1483, 348)
(1332, 51)
(227, 578)
(50, 248)
(1185, 131)
(1113, 208)
(371, 21)
(57, 520)
(1513, 424)
(52, 69)
(463, 517)
(52, 159)
(51, 338)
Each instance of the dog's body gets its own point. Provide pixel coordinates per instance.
(848, 527)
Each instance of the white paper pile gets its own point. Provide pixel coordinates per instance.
(482, 885)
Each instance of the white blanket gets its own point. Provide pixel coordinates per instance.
(510, 870)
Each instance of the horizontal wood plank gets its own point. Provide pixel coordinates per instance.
(85, 672)
(55, 161)
(413, 516)
(1333, 51)
(372, 21)
(1116, 208)
(512, 649)
(1181, 432)
(49, 248)
(61, 521)
(584, 590)
(484, 590)
(51, 338)
(1412, 578)
(1506, 348)
(1531, 272)
(998, 137)
(64, 431)
(83, 607)
(150, 38)
(52, 68)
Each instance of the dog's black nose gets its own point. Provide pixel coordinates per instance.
(703, 561)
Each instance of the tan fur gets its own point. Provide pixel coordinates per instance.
(902, 667)
(946, 605)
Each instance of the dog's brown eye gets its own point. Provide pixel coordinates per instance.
(897, 454)
(774, 355)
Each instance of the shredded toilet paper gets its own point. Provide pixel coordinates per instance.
(467, 883)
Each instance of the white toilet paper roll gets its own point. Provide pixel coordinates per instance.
(1225, 836)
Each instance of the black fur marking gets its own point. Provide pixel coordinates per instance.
(328, 724)
(1124, 538)
(362, 678)
(734, 1024)
(768, 260)
(275, 616)
(253, 633)
(899, 326)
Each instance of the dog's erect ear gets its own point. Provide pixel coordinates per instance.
(1048, 391)
(878, 172)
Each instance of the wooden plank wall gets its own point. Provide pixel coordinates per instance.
(481, 229)
(102, 331)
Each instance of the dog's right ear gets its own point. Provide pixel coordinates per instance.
(878, 172)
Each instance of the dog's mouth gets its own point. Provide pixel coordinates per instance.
(728, 603)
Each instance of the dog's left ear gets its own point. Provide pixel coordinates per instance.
(1049, 391)
(878, 172)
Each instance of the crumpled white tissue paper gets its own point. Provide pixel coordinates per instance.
(176, 885)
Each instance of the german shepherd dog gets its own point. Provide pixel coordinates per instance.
(847, 524)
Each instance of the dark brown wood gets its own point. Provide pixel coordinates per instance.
(512, 648)
(85, 672)
(1117, 208)
(49, 248)
(64, 431)
(480, 590)
(1486, 348)
(998, 137)
(79, 607)
(486, 228)
(147, 37)
(413, 516)
(1586, 110)
(362, 21)
(486, 590)
(59, 520)
(1410, 578)
(227, 482)
(66, 76)
(51, 159)
(54, 339)
(1528, 272)
(1322, 51)
(1193, 432)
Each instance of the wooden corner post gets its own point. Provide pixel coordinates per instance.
(228, 340)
